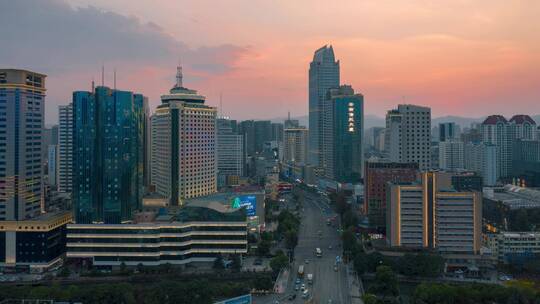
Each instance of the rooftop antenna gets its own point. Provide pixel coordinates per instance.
(114, 81)
(289, 115)
(221, 104)
(102, 75)
(179, 76)
(93, 84)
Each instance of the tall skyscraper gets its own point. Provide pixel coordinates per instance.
(496, 131)
(184, 160)
(342, 129)
(323, 75)
(22, 101)
(65, 148)
(108, 152)
(431, 214)
(451, 155)
(295, 145)
(230, 153)
(408, 136)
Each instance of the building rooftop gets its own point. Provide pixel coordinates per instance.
(521, 118)
(494, 119)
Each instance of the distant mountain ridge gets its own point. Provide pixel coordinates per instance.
(376, 121)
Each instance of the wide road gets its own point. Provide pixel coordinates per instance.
(329, 285)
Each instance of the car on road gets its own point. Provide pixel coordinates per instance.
(297, 287)
(257, 262)
(329, 246)
(303, 287)
(335, 268)
(306, 261)
(292, 297)
(305, 294)
(298, 281)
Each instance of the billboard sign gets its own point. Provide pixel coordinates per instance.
(245, 299)
(247, 201)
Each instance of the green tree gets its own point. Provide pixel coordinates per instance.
(385, 283)
(278, 262)
(291, 238)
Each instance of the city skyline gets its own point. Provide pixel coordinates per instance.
(464, 56)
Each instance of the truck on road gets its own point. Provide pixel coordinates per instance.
(301, 270)
(310, 278)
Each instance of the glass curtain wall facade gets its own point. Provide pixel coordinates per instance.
(108, 152)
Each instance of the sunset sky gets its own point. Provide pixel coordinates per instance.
(468, 58)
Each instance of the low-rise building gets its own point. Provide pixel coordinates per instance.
(34, 245)
(514, 247)
(196, 233)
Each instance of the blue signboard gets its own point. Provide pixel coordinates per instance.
(245, 299)
(247, 201)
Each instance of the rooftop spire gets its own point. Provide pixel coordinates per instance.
(179, 76)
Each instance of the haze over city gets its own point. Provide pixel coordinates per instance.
(466, 58)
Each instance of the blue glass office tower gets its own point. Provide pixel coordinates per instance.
(323, 75)
(108, 155)
(343, 127)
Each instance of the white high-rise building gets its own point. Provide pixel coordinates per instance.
(184, 162)
(451, 155)
(482, 159)
(295, 145)
(408, 135)
(497, 131)
(230, 153)
(22, 102)
(65, 148)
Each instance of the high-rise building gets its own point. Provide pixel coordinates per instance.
(52, 157)
(108, 139)
(376, 177)
(496, 131)
(448, 131)
(263, 134)
(290, 123)
(184, 163)
(342, 129)
(247, 129)
(65, 148)
(295, 145)
(526, 162)
(451, 155)
(277, 132)
(230, 153)
(431, 214)
(323, 75)
(482, 159)
(22, 101)
(408, 136)
(523, 127)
